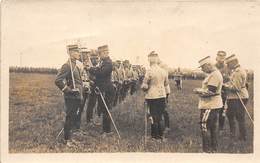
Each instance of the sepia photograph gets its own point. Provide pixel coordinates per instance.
(129, 78)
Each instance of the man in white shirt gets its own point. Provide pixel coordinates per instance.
(210, 102)
(154, 84)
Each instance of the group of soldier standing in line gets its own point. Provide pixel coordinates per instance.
(223, 92)
(101, 84)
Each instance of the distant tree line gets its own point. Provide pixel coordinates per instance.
(198, 75)
(41, 70)
(186, 75)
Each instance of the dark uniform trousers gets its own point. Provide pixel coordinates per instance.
(209, 123)
(108, 93)
(72, 107)
(166, 114)
(236, 112)
(117, 93)
(81, 109)
(121, 92)
(156, 108)
(166, 118)
(133, 87)
(125, 89)
(91, 105)
(178, 83)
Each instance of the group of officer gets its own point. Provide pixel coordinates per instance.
(101, 84)
(223, 94)
(105, 83)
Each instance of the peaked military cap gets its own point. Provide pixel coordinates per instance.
(93, 53)
(103, 48)
(153, 54)
(204, 61)
(73, 47)
(126, 61)
(231, 58)
(84, 50)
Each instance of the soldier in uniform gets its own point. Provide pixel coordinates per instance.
(178, 79)
(134, 79)
(222, 67)
(154, 84)
(121, 75)
(72, 89)
(127, 79)
(115, 81)
(84, 54)
(103, 74)
(92, 102)
(210, 102)
(236, 86)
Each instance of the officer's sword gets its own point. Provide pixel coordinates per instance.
(240, 99)
(104, 102)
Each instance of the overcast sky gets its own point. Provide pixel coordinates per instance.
(181, 32)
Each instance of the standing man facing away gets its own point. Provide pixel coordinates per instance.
(236, 86)
(210, 102)
(103, 74)
(154, 84)
(69, 81)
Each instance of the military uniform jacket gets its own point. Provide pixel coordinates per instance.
(64, 79)
(212, 102)
(103, 72)
(237, 84)
(155, 80)
(115, 76)
(129, 74)
(167, 87)
(121, 75)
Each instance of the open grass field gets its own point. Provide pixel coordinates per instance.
(36, 116)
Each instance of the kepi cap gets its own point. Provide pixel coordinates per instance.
(84, 50)
(152, 54)
(103, 48)
(231, 58)
(73, 47)
(204, 61)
